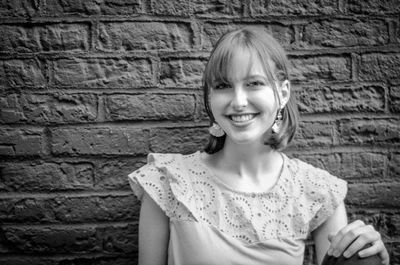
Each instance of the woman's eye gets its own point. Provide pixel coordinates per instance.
(255, 83)
(221, 86)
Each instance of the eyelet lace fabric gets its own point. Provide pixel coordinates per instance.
(185, 189)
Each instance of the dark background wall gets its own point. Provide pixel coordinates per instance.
(88, 88)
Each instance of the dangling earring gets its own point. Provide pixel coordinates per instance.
(216, 130)
(278, 122)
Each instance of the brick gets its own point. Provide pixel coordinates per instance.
(385, 222)
(397, 31)
(150, 107)
(92, 7)
(285, 35)
(201, 114)
(124, 72)
(210, 8)
(370, 131)
(70, 210)
(373, 6)
(213, 31)
(23, 260)
(19, 72)
(37, 38)
(48, 108)
(25, 210)
(99, 141)
(21, 142)
(39, 176)
(385, 195)
(112, 174)
(394, 166)
(345, 33)
(171, 7)
(18, 8)
(380, 67)
(341, 99)
(121, 239)
(10, 109)
(394, 251)
(51, 239)
(293, 7)
(178, 140)
(322, 68)
(69, 260)
(97, 209)
(183, 72)
(394, 99)
(364, 167)
(311, 134)
(130, 36)
(105, 239)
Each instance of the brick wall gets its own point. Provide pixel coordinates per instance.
(88, 88)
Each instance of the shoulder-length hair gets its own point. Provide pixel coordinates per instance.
(276, 66)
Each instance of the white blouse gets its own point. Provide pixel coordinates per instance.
(211, 223)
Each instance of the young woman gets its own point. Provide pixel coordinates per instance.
(242, 201)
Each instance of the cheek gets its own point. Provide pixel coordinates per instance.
(266, 101)
(214, 108)
(216, 103)
(211, 104)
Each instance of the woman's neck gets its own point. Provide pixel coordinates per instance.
(252, 160)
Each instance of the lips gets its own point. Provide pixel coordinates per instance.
(242, 117)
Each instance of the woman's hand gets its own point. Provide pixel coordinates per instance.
(354, 237)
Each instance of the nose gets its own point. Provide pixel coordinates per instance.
(239, 100)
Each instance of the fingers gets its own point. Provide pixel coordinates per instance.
(366, 235)
(330, 237)
(354, 237)
(344, 237)
(377, 247)
(384, 255)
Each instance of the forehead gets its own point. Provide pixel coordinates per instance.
(236, 62)
(244, 63)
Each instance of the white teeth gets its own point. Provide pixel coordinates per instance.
(242, 118)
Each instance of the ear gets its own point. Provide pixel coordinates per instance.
(284, 93)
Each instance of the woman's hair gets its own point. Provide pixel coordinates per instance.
(275, 63)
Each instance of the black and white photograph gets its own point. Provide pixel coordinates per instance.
(200, 132)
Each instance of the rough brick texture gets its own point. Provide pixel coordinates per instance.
(129, 36)
(88, 88)
(53, 37)
(102, 72)
(294, 7)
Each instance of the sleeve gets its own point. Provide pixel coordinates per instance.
(156, 180)
(324, 193)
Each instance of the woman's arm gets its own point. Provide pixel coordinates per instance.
(153, 233)
(337, 238)
(337, 221)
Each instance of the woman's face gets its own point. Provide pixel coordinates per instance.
(246, 106)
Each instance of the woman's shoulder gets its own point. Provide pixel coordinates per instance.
(170, 166)
(165, 159)
(162, 162)
(305, 170)
(166, 179)
(319, 192)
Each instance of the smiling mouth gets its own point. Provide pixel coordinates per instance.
(242, 117)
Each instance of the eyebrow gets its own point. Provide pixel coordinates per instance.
(250, 77)
(256, 76)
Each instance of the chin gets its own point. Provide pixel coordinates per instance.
(246, 139)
